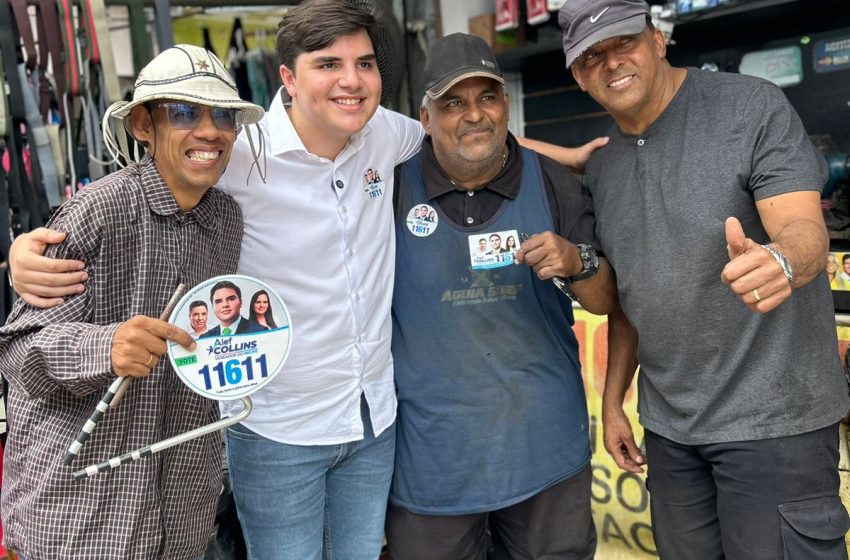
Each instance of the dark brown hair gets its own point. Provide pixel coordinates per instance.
(315, 24)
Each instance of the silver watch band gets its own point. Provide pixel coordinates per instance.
(782, 260)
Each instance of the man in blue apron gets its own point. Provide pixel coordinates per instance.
(492, 428)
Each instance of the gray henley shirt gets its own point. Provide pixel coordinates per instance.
(712, 370)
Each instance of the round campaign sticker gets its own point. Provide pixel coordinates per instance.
(422, 220)
(243, 335)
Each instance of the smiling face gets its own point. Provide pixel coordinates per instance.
(831, 265)
(335, 91)
(261, 304)
(468, 126)
(495, 242)
(626, 75)
(198, 318)
(190, 161)
(227, 304)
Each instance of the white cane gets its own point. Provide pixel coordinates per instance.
(149, 450)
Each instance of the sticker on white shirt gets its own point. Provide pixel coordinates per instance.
(373, 183)
(493, 249)
(246, 342)
(422, 220)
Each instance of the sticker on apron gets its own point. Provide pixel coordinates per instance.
(247, 339)
(493, 249)
(422, 220)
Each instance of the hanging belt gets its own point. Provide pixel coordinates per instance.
(30, 211)
(93, 108)
(19, 9)
(99, 33)
(49, 24)
(94, 104)
(45, 92)
(72, 60)
(50, 49)
(48, 184)
(78, 156)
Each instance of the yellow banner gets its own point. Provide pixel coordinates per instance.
(620, 500)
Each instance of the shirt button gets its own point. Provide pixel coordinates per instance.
(470, 220)
(641, 142)
(470, 193)
(361, 338)
(350, 252)
(357, 296)
(339, 184)
(343, 209)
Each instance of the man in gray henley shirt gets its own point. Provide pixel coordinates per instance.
(707, 204)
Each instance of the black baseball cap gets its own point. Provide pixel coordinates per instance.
(457, 57)
(587, 22)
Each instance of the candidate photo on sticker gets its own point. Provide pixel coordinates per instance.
(226, 299)
(261, 310)
(422, 220)
(492, 249)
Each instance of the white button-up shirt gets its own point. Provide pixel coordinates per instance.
(321, 235)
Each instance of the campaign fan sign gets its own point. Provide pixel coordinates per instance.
(243, 333)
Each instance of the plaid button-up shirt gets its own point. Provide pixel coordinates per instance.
(138, 246)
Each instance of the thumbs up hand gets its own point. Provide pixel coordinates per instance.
(752, 273)
(736, 242)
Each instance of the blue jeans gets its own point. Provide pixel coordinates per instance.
(311, 502)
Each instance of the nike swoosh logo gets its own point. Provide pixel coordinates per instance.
(594, 19)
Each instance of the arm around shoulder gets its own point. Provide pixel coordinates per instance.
(42, 281)
(409, 134)
(573, 158)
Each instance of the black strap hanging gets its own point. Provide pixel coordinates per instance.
(46, 181)
(48, 27)
(28, 211)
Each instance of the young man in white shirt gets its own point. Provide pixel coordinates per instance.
(311, 467)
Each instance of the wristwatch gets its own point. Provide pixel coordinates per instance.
(589, 264)
(782, 260)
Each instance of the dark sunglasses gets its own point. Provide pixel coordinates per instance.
(186, 116)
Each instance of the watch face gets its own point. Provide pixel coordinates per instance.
(589, 261)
